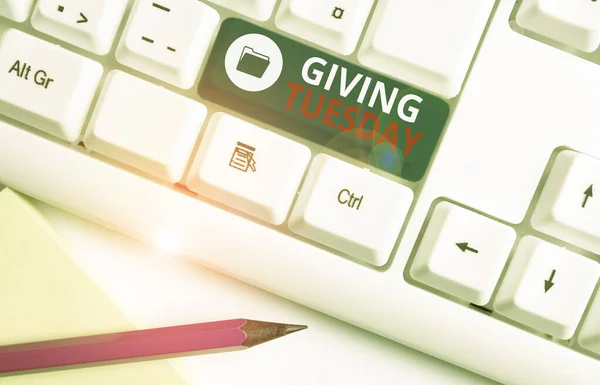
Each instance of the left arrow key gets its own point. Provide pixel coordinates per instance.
(470, 268)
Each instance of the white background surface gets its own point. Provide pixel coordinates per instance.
(157, 289)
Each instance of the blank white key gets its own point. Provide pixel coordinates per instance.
(589, 335)
(44, 85)
(248, 168)
(334, 24)
(569, 207)
(429, 43)
(350, 209)
(168, 39)
(89, 24)
(572, 22)
(17, 10)
(547, 287)
(463, 253)
(145, 126)
(257, 9)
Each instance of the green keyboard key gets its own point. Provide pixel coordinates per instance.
(324, 99)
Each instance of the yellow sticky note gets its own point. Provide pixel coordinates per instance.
(45, 295)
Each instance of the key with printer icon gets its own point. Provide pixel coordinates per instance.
(253, 63)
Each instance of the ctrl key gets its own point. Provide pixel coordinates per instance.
(351, 210)
(45, 86)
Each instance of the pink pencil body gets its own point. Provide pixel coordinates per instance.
(122, 346)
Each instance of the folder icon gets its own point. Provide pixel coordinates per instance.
(253, 63)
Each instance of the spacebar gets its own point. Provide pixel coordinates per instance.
(147, 210)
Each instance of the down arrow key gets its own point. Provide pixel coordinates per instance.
(548, 283)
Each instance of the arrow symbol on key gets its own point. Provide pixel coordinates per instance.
(464, 246)
(548, 283)
(83, 19)
(589, 193)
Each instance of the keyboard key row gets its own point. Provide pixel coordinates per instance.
(545, 287)
(241, 165)
(340, 205)
(403, 48)
(168, 40)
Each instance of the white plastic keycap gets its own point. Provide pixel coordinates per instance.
(334, 24)
(429, 43)
(569, 206)
(91, 24)
(44, 85)
(168, 39)
(462, 253)
(17, 10)
(260, 10)
(547, 287)
(145, 126)
(572, 22)
(351, 210)
(589, 335)
(248, 168)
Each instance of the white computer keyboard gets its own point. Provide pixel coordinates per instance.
(424, 170)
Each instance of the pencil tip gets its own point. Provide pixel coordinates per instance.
(258, 332)
(289, 329)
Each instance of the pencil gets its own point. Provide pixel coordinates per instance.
(127, 346)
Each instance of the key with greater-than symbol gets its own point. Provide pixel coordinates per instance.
(91, 24)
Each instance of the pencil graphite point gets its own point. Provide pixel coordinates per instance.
(258, 332)
(294, 328)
